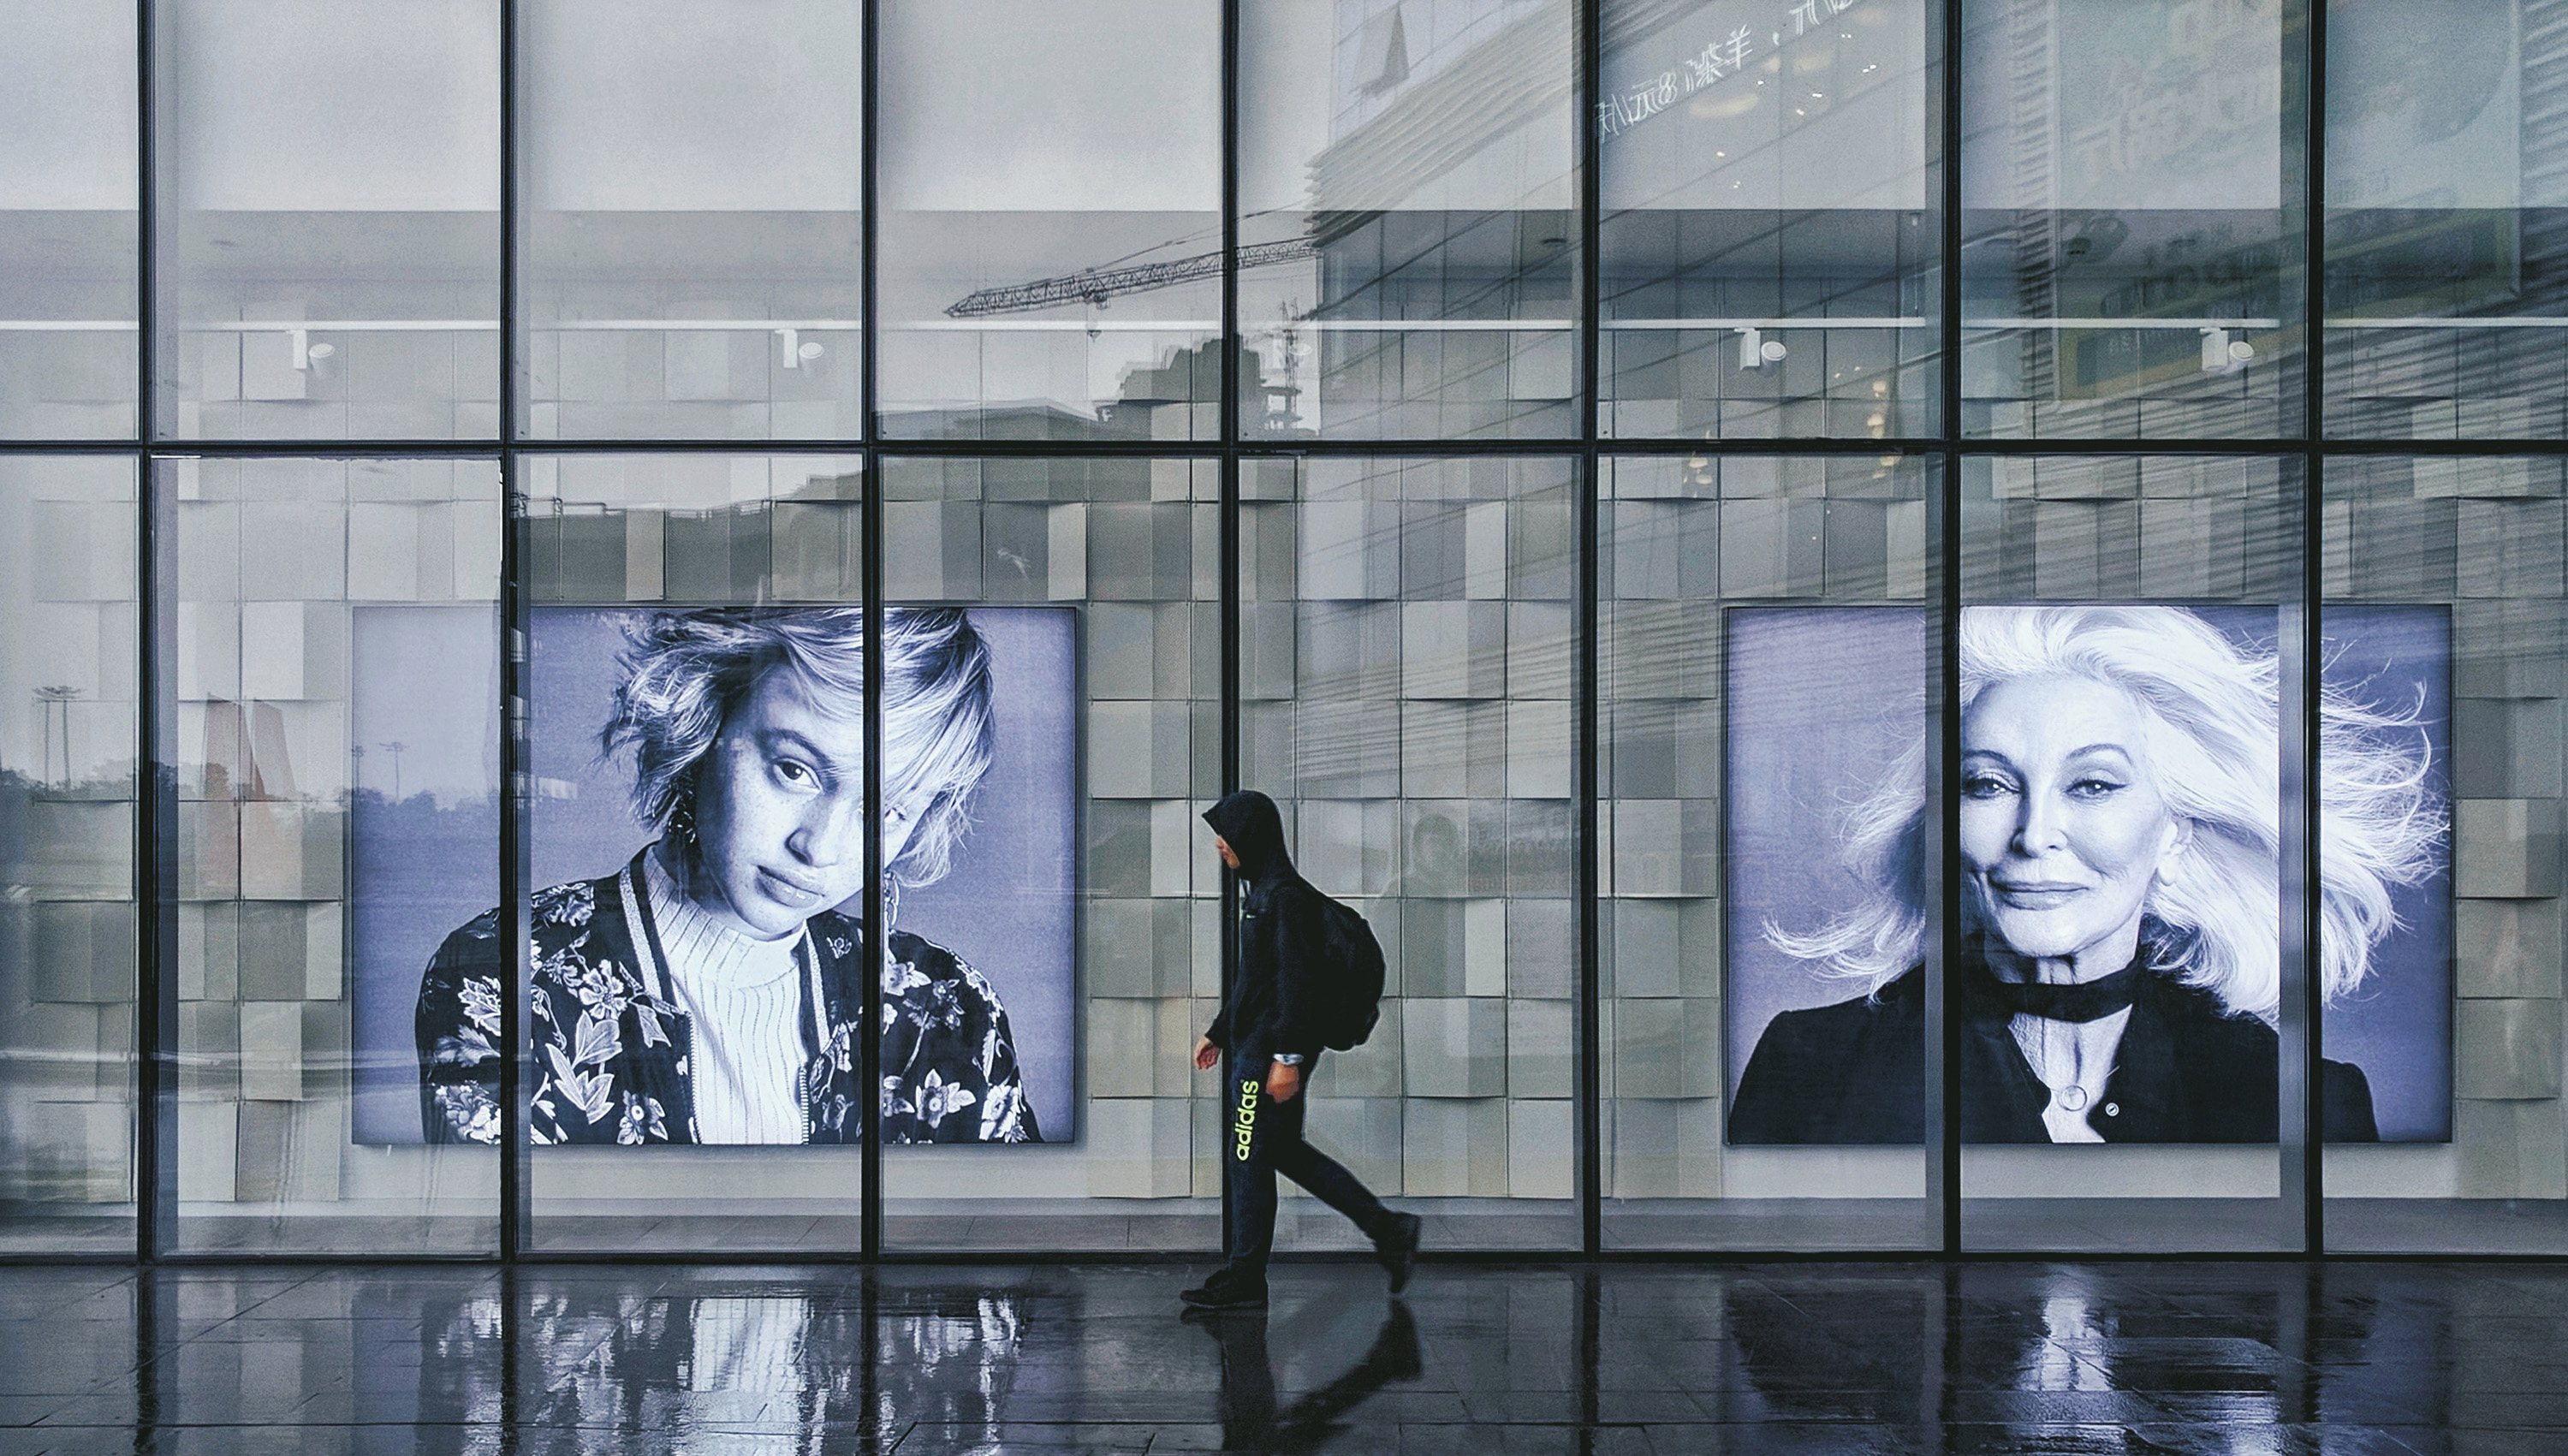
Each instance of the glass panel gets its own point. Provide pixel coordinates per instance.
(335, 699)
(68, 672)
(2130, 977)
(330, 219)
(691, 243)
(1771, 220)
(1406, 685)
(1050, 180)
(2444, 584)
(2444, 196)
(1095, 587)
(1764, 655)
(2131, 233)
(692, 982)
(67, 220)
(1409, 224)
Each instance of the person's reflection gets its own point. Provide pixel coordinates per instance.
(1434, 865)
(1250, 1420)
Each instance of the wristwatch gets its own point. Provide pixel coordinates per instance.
(1288, 1059)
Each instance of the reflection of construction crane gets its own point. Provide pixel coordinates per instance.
(1282, 416)
(1097, 285)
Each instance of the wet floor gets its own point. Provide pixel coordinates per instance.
(2365, 1360)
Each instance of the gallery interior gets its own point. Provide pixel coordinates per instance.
(1649, 601)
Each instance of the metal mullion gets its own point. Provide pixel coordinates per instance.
(1228, 526)
(485, 448)
(869, 1203)
(1587, 714)
(868, 228)
(147, 221)
(517, 1200)
(516, 1193)
(1943, 1025)
(320, 449)
(156, 867)
(1231, 353)
(156, 1163)
(2313, 1181)
(869, 1156)
(1532, 1259)
(1586, 708)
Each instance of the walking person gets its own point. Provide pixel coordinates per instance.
(1269, 1036)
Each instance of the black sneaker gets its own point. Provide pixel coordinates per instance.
(1226, 1291)
(1396, 1248)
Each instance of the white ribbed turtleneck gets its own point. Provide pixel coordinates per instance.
(745, 996)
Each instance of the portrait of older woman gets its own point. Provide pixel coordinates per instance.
(2119, 973)
(710, 990)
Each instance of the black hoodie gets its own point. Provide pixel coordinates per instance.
(1264, 1009)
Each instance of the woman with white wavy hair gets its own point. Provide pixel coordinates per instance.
(2120, 959)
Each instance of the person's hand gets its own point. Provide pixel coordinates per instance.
(1283, 1081)
(1205, 1054)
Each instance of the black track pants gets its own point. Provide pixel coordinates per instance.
(1263, 1137)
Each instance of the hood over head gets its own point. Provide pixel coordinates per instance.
(1249, 822)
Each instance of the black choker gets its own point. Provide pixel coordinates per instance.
(2086, 1000)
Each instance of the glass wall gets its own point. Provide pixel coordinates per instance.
(67, 220)
(2444, 190)
(2132, 206)
(1773, 220)
(695, 769)
(329, 205)
(1051, 247)
(1223, 376)
(1409, 230)
(1085, 895)
(690, 213)
(1764, 659)
(1407, 695)
(69, 672)
(2128, 658)
(2474, 549)
(331, 697)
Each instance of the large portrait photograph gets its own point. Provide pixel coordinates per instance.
(2118, 964)
(696, 844)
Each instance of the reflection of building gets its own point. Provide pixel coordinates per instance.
(1441, 207)
(1766, 258)
(2125, 223)
(2437, 236)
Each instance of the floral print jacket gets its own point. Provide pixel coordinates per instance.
(611, 1050)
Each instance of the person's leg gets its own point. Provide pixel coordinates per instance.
(1248, 1177)
(1248, 1152)
(1395, 1236)
(1331, 1183)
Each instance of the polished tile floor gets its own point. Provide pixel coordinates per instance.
(2365, 1360)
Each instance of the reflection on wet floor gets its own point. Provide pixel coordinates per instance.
(2236, 1359)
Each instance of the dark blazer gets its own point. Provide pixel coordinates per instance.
(2185, 1072)
(609, 1060)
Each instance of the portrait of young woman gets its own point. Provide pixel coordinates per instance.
(710, 989)
(2119, 966)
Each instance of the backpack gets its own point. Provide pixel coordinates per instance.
(1349, 975)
